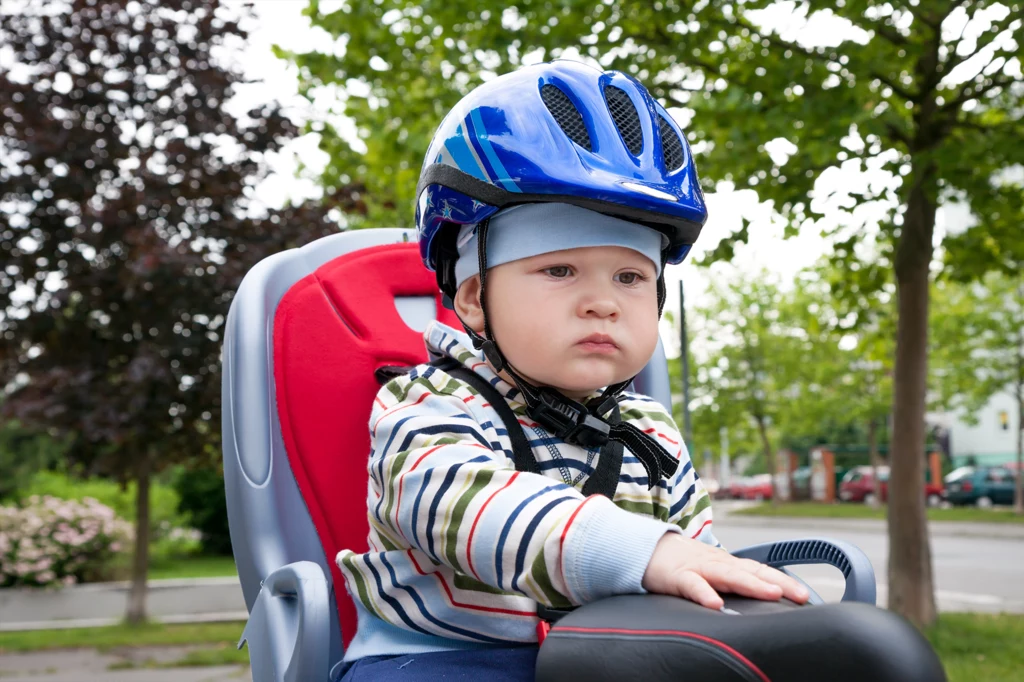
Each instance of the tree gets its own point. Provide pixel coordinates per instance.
(979, 348)
(23, 453)
(928, 92)
(750, 357)
(126, 190)
(859, 342)
(827, 370)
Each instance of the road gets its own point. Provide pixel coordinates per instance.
(971, 573)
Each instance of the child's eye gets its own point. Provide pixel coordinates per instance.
(558, 271)
(630, 278)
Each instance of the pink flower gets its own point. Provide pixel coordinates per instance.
(48, 539)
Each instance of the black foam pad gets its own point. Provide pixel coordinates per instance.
(655, 638)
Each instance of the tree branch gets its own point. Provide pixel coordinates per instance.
(968, 93)
(881, 28)
(934, 24)
(898, 89)
(890, 34)
(897, 133)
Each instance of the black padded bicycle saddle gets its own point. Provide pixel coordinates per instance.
(655, 638)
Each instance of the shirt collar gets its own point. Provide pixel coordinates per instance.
(444, 341)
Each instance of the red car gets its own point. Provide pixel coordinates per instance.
(858, 485)
(757, 488)
(734, 491)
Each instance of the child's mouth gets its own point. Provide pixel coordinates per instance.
(598, 343)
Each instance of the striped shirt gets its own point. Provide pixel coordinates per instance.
(462, 546)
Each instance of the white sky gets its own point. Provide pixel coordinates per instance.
(281, 22)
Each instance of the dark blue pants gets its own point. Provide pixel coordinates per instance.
(514, 664)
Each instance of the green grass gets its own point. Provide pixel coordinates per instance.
(863, 511)
(980, 647)
(193, 567)
(106, 638)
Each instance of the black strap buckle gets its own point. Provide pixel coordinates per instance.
(550, 614)
(569, 420)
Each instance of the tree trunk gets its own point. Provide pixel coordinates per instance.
(790, 473)
(911, 590)
(875, 459)
(766, 444)
(140, 563)
(1018, 491)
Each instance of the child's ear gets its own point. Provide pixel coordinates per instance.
(467, 304)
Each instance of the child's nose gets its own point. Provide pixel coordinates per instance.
(600, 307)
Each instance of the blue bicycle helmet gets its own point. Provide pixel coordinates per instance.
(557, 132)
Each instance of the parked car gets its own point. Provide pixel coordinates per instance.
(758, 488)
(980, 486)
(736, 487)
(858, 485)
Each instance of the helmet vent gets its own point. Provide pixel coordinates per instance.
(670, 144)
(567, 116)
(627, 120)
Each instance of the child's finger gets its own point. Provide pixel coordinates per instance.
(739, 581)
(693, 586)
(791, 588)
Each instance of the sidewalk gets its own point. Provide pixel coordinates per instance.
(98, 604)
(86, 665)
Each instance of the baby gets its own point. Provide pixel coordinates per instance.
(513, 472)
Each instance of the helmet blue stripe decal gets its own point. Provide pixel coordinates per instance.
(499, 169)
(476, 144)
(463, 157)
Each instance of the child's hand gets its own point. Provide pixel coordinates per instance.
(693, 570)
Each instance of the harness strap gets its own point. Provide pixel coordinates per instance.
(605, 478)
(522, 453)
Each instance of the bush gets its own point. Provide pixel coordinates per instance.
(205, 506)
(170, 536)
(175, 543)
(22, 454)
(50, 542)
(163, 499)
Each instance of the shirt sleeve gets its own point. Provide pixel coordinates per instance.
(689, 501)
(442, 482)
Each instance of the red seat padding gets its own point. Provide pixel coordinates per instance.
(332, 330)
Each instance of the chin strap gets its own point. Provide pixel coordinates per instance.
(572, 421)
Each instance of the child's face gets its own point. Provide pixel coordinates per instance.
(545, 310)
